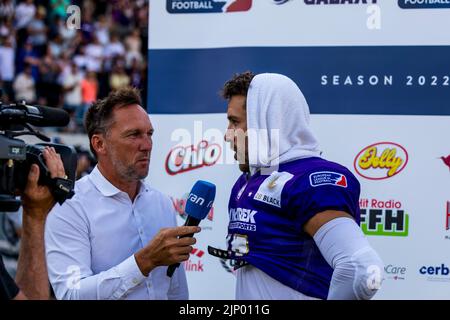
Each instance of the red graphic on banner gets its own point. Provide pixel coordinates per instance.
(446, 161)
(240, 5)
(447, 216)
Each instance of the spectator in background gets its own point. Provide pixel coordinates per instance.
(25, 12)
(28, 56)
(7, 30)
(6, 9)
(133, 44)
(67, 34)
(56, 46)
(48, 86)
(119, 79)
(7, 68)
(89, 92)
(24, 86)
(38, 32)
(72, 89)
(81, 59)
(114, 49)
(85, 162)
(102, 30)
(58, 8)
(136, 75)
(94, 53)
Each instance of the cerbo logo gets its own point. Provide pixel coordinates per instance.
(394, 272)
(185, 158)
(194, 263)
(381, 160)
(383, 218)
(424, 4)
(207, 6)
(322, 178)
(440, 273)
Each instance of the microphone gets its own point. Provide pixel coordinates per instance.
(49, 117)
(198, 204)
(36, 115)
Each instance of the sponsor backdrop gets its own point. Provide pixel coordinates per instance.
(376, 75)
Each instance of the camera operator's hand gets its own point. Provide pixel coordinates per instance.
(37, 200)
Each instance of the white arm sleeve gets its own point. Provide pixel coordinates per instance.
(358, 270)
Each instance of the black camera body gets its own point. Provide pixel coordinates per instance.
(16, 157)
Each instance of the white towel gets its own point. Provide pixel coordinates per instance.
(277, 122)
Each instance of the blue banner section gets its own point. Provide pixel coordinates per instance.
(397, 80)
(424, 4)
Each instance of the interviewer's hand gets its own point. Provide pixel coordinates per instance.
(166, 248)
(37, 200)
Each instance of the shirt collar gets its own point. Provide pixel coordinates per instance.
(106, 187)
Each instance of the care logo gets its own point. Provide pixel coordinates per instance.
(438, 273)
(394, 272)
(383, 218)
(381, 160)
(185, 158)
(195, 263)
(424, 4)
(207, 6)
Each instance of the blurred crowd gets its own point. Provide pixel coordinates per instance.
(44, 60)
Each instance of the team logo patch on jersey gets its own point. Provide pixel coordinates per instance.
(270, 189)
(323, 178)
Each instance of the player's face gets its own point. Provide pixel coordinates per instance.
(236, 133)
(129, 143)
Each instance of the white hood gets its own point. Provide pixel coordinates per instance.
(277, 122)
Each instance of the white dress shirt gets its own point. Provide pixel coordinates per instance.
(91, 240)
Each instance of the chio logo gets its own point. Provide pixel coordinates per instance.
(185, 158)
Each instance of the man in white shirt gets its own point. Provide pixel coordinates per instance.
(114, 237)
(24, 86)
(72, 88)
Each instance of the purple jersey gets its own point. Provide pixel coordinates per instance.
(268, 212)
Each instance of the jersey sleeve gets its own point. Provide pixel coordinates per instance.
(319, 191)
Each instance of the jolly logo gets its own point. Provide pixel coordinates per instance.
(381, 160)
(186, 158)
(207, 6)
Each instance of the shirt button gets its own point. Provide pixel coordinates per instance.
(135, 281)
